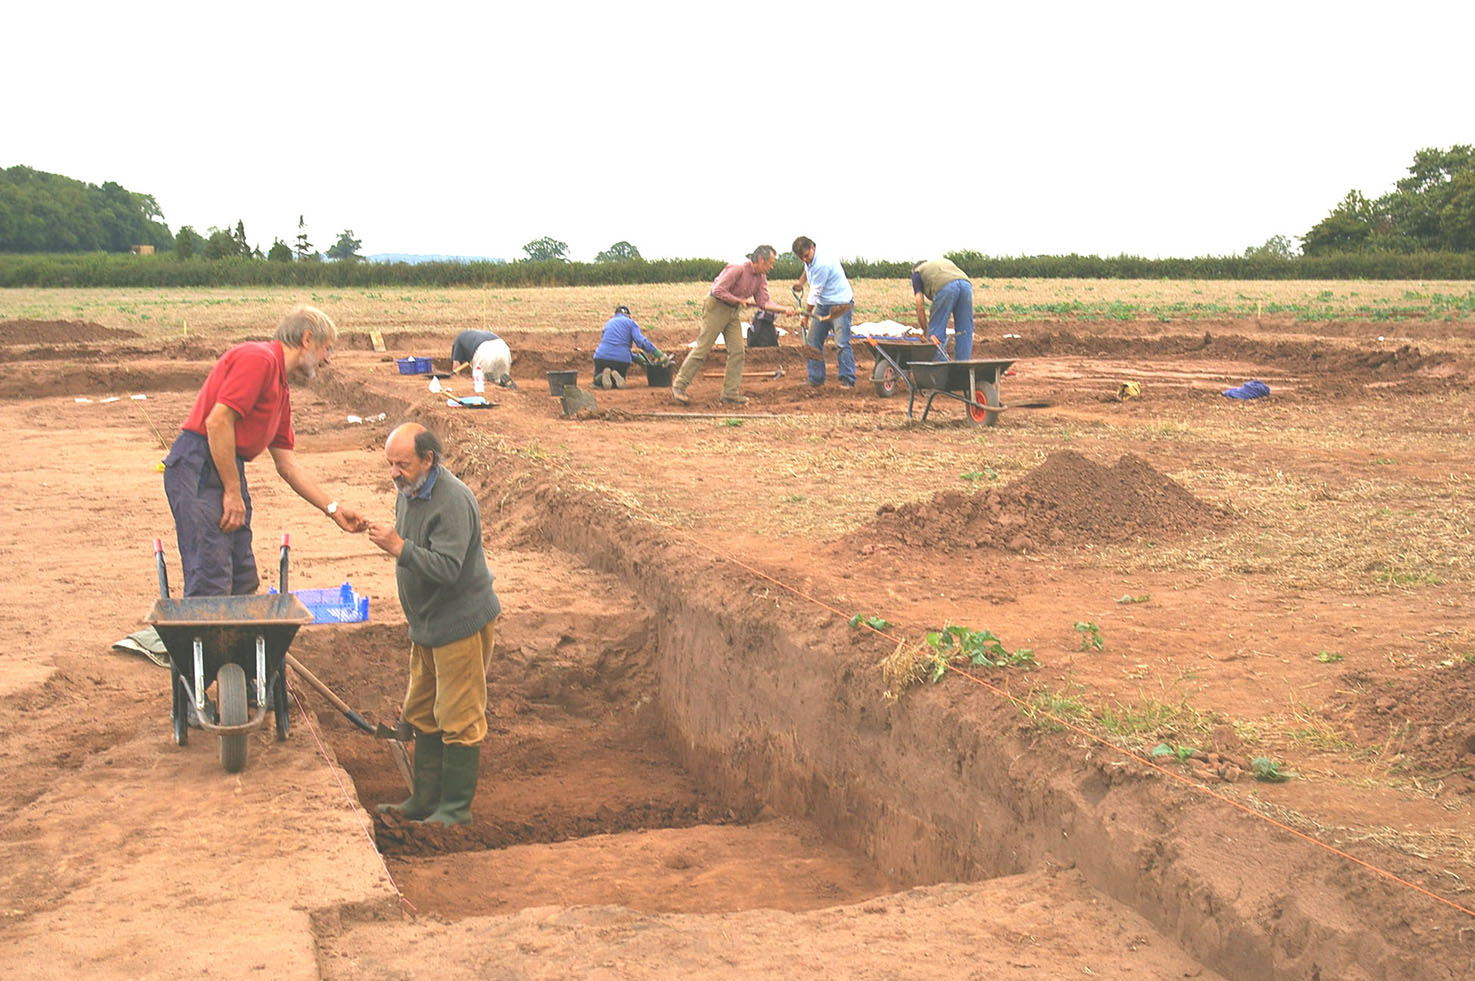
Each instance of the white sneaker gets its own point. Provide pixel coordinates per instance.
(617, 379)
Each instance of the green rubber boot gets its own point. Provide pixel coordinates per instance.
(458, 785)
(429, 761)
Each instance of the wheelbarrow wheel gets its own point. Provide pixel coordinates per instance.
(884, 378)
(230, 683)
(279, 705)
(980, 413)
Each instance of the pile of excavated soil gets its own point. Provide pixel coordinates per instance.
(1066, 499)
(58, 332)
(1422, 722)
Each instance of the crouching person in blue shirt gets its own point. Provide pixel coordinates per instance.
(612, 356)
(445, 589)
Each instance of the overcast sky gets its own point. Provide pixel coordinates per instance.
(688, 129)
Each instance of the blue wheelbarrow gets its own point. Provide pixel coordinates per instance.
(238, 642)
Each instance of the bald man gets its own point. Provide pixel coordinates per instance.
(445, 589)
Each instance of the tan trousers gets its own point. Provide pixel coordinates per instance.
(448, 688)
(717, 318)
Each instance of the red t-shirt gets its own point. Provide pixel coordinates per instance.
(251, 378)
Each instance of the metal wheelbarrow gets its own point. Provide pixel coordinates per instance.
(235, 641)
(974, 383)
(892, 353)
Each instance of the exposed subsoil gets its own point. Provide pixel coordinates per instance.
(690, 765)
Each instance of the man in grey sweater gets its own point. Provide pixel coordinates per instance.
(445, 589)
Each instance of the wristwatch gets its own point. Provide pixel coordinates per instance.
(332, 508)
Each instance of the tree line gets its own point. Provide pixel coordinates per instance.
(42, 212)
(49, 213)
(56, 231)
(1430, 210)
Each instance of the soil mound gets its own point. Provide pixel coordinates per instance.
(1421, 723)
(1068, 498)
(59, 332)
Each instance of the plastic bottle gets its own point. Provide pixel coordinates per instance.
(478, 380)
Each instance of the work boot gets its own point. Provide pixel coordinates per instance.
(458, 785)
(601, 380)
(429, 761)
(734, 400)
(679, 394)
(616, 379)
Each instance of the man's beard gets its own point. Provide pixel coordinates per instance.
(409, 489)
(308, 369)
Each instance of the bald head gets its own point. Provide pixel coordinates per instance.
(403, 436)
(412, 452)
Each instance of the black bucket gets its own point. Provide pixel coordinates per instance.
(658, 375)
(558, 379)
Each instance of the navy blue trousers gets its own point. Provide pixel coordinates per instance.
(215, 564)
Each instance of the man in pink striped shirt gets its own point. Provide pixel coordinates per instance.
(732, 290)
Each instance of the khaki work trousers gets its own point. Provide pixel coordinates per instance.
(448, 688)
(717, 318)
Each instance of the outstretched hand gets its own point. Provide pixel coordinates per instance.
(350, 520)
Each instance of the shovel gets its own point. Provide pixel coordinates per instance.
(810, 351)
(395, 736)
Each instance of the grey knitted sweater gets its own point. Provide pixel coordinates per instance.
(445, 587)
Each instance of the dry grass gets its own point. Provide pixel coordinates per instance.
(675, 306)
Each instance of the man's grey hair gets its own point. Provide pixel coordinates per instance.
(299, 320)
(762, 252)
(426, 443)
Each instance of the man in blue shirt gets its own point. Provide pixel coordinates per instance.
(830, 307)
(612, 356)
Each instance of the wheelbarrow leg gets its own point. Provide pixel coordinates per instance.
(179, 706)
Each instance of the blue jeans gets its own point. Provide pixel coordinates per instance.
(956, 298)
(845, 358)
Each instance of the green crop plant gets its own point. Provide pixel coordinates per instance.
(875, 623)
(1090, 636)
(980, 647)
(1181, 753)
(1268, 770)
(1328, 657)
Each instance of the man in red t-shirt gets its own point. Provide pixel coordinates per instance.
(244, 407)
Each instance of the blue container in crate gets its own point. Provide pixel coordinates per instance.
(341, 605)
(414, 366)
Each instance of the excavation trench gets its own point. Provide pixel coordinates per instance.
(720, 730)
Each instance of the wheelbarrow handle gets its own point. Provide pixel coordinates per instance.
(282, 572)
(163, 572)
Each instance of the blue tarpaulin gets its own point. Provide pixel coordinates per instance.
(1252, 389)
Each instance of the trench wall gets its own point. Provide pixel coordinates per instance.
(951, 783)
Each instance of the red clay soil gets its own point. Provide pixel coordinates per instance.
(692, 767)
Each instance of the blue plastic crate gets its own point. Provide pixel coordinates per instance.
(341, 605)
(414, 366)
